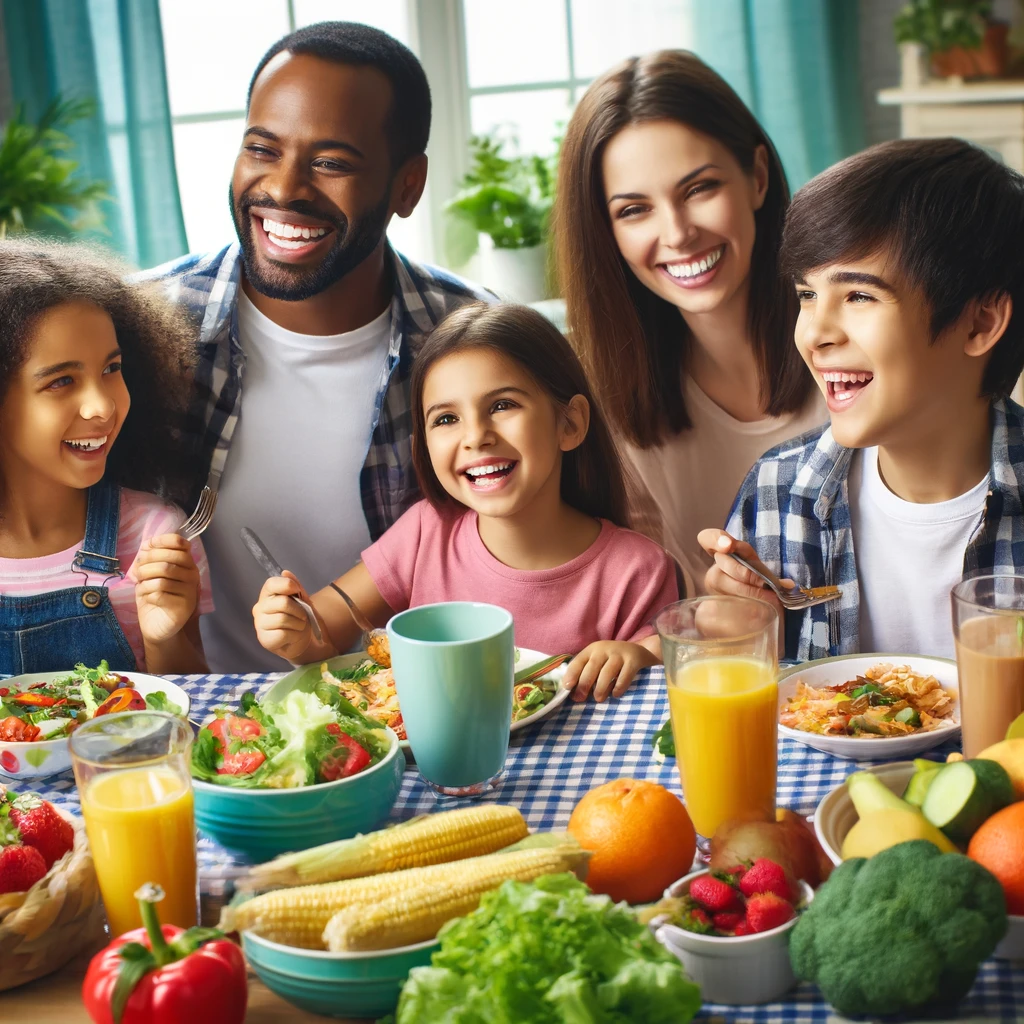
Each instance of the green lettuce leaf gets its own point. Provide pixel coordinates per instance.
(548, 952)
(159, 701)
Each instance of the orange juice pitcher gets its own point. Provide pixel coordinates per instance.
(721, 669)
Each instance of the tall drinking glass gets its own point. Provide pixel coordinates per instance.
(988, 627)
(721, 666)
(453, 665)
(132, 771)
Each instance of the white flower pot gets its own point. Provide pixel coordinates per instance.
(516, 274)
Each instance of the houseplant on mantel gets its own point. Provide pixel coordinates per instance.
(959, 37)
(507, 202)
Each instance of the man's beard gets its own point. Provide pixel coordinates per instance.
(353, 242)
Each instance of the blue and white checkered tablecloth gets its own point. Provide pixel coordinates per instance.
(579, 746)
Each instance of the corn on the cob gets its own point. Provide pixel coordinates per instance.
(429, 839)
(298, 916)
(416, 914)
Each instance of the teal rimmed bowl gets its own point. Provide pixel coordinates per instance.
(335, 984)
(262, 823)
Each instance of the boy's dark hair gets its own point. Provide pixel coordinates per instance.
(949, 217)
(592, 476)
(349, 42)
(156, 343)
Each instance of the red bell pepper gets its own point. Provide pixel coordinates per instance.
(122, 700)
(166, 975)
(33, 700)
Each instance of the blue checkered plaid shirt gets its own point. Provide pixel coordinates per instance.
(794, 508)
(207, 287)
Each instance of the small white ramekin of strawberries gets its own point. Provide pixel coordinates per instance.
(50, 907)
(731, 930)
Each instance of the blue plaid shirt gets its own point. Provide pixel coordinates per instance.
(207, 287)
(794, 508)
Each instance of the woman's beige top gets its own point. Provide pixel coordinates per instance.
(693, 477)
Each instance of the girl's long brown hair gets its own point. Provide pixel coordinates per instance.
(592, 477)
(634, 344)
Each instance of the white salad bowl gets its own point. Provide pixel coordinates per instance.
(836, 671)
(739, 970)
(836, 815)
(42, 757)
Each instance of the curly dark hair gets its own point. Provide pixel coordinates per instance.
(156, 342)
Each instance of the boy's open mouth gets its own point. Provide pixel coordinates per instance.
(845, 385)
(488, 476)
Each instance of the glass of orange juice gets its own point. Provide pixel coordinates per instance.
(133, 777)
(721, 666)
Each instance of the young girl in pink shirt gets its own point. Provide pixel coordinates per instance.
(92, 387)
(525, 506)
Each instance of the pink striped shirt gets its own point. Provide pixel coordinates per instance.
(142, 516)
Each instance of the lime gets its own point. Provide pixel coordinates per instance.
(1016, 730)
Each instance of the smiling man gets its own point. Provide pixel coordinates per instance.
(308, 325)
(909, 272)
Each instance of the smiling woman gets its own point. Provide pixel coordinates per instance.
(668, 223)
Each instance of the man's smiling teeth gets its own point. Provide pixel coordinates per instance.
(478, 471)
(290, 236)
(697, 267)
(89, 444)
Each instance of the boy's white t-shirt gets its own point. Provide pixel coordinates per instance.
(909, 556)
(292, 472)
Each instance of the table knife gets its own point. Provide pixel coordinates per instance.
(272, 567)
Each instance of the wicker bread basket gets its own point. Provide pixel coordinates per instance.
(60, 917)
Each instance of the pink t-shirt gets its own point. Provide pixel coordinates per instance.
(142, 516)
(610, 592)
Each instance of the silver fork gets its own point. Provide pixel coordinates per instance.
(795, 598)
(374, 641)
(201, 517)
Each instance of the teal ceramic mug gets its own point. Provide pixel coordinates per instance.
(453, 665)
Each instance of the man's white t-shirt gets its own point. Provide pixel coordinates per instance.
(909, 556)
(292, 471)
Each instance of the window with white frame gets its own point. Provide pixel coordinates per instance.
(512, 66)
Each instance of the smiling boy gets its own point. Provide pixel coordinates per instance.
(909, 270)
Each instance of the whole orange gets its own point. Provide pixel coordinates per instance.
(641, 837)
(999, 846)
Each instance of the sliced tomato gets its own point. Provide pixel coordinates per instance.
(524, 691)
(347, 758)
(14, 730)
(245, 762)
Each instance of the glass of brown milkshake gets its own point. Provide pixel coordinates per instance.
(988, 627)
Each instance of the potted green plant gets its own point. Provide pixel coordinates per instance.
(39, 189)
(506, 201)
(960, 36)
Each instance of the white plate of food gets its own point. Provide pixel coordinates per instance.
(363, 682)
(49, 724)
(871, 707)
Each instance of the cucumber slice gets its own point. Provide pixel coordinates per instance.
(962, 795)
(908, 716)
(921, 781)
(997, 780)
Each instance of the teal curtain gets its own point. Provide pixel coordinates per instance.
(111, 51)
(795, 63)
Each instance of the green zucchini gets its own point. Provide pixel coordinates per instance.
(963, 794)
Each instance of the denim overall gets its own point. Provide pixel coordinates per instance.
(54, 631)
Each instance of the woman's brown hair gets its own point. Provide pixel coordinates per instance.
(592, 478)
(634, 344)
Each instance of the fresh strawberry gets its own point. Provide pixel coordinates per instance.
(766, 876)
(42, 827)
(700, 917)
(766, 911)
(20, 868)
(727, 922)
(713, 893)
(742, 929)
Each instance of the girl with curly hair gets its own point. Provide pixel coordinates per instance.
(93, 384)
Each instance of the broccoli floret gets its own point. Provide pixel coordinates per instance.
(902, 931)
